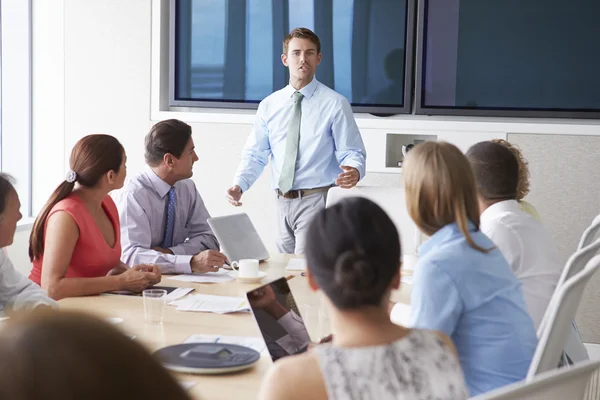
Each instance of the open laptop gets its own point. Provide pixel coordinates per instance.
(278, 319)
(238, 237)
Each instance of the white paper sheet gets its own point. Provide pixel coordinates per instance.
(177, 294)
(296, 264)
(209, 277)
(212, 303)
(255, 343)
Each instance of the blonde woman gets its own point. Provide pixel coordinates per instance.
(462, 285)
(523, 185)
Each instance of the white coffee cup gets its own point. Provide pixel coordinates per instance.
(247, 268)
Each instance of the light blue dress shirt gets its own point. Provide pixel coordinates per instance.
(329, 138)
(142, 205)
(474, 298)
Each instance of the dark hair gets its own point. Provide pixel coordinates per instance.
(55, 355)
(91, 158)
(6, 186)
(496, 170)
(169, 136)
(353, 251)
(523, 185)
(301, 33)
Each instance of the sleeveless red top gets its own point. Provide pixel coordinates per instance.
(92, 256)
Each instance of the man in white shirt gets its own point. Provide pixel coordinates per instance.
(524, 242)
(17, 293)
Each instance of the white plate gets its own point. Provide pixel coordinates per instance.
(261, 275)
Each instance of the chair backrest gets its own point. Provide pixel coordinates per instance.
(393, 202)
(559, 319)
(564, 383)
(578, 261)
(574, 265)
(590, 233)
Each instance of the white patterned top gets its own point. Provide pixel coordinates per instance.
(417, 367)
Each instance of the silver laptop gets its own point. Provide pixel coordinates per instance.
(238, 238)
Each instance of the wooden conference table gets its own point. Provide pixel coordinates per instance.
(178, 325)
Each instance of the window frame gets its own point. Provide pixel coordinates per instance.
(16, 85)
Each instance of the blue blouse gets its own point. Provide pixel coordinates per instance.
(474, 298)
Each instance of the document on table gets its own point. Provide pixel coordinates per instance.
(296, 264)
(177, 294)
(212, 303)
(254, 343)
(209, 277)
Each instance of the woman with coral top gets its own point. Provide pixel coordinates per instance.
(75, 243)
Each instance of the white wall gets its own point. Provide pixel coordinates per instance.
(96, 70)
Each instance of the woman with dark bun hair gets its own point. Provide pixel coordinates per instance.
(353, 253)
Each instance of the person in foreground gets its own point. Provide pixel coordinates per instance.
(523, 183)
(308, 134)
(74, 244)
(353, 253)
(17, 293)
(523, 241)
(163, 217)
(462, 284)
(51, 355)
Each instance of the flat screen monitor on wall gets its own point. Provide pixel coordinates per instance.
(537, 58)
(228, 53)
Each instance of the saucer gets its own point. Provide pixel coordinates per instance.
(234, 274)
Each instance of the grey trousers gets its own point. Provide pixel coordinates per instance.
(293, 219)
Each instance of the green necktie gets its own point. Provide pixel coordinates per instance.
(286, 179)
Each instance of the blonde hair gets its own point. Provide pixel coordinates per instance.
(523, 184)
(440, 189)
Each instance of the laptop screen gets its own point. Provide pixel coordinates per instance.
(278, 319)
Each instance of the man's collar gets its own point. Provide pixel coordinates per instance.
(307, 91)
(500, 208)
(161, 187)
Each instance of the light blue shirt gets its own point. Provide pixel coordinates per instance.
(474, 298)
(142, 205)
(329, 138)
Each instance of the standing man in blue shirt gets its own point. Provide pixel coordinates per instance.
(308, 133)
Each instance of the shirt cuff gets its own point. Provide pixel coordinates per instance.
(182, 264)
(240, 182)
(355, 164)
